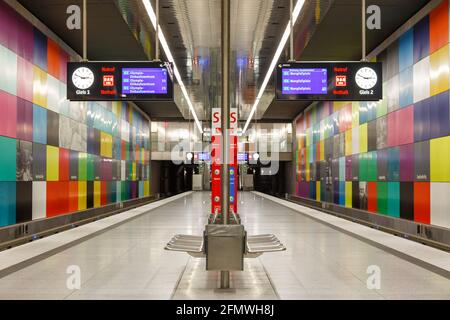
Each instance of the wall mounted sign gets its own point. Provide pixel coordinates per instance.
(119, 81)
(330, 81)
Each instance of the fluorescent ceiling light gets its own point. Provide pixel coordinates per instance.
(162, 39)
(298, 7)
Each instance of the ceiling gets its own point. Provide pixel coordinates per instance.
(109, 39)
(325, 30)
(343, 34)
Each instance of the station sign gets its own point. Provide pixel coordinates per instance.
(120, 81)
(330, 81)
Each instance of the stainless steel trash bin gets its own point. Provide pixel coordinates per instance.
(225, 247)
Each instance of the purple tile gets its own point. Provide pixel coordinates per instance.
(106, 170)
(24, 120)
(8, 27)
(348, 169)
(407, 162)
(25, 45)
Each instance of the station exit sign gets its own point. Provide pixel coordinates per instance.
(329, 81)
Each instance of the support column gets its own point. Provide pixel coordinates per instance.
(225, 169)
(225, 172)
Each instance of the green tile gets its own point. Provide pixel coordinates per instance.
(8, 159)
(82, 167)
(382, 200)
(363, 167)
(372, 166)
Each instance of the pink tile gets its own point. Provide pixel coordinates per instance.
(8, 119)
(392, 129)
(405, 125)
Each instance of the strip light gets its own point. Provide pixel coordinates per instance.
(152, 15)
(298, 7)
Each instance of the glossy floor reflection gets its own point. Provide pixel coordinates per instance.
(129, 262)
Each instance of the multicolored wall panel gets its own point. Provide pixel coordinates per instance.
(59, 157)
(391, 157)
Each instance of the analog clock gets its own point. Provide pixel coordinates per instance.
(366, 78)
(83, 78)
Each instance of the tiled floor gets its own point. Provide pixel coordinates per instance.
(128, 262)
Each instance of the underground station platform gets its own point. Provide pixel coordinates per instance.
(225, 158)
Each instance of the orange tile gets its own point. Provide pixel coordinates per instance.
(54, 57)
(439, 27)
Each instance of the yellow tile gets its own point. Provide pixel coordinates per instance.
(134, 172)
(52, 163)
(440, 159)
(82, 195)
(97, 194)
(106, 145)
(146, 188)
(40, 87)
(348, 194)
(348, 143)
(338, 105)
(363, 138)
(318, 191)
(355, 114)
(439, 71)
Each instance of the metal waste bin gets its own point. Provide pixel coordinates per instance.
(225, 247)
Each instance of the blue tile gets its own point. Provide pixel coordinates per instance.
(7, 203)
(406, 88)
(394, 164)
(439, 115)
(422, 39)
(40, 49)
(406, 50)
(39, 125)
(422, 120)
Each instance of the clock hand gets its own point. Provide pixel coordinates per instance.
(83, 78)
(367, 78)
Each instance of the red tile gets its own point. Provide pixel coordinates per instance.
(104, 193)
(57, 198)
(372, 197)
(422, 211)
(73, 196)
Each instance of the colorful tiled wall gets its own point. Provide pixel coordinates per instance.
(392, 157)
(58, 157)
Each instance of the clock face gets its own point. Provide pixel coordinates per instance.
(83, 78)
(366, 78)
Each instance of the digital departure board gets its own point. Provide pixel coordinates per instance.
(305, 81)
(329, 81)
(119, 81)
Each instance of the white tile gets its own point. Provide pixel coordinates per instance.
(422, 80)
(440, 204)
(39, 200)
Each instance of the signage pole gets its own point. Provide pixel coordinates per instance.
(363, 30)
(157, 31)
(85, 30)
(292, 31)
(225, 170)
